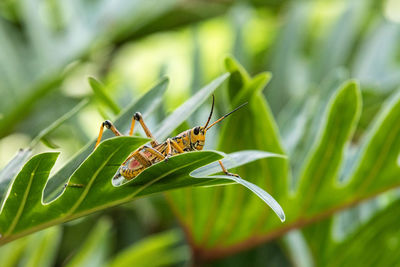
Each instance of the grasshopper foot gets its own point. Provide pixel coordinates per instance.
(232, 174)
(167, 157)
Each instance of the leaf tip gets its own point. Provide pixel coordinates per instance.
(351, 88)
(230, 64)
(92, 81)
(352, 85)
(282, 217)
(261, 80)
(164, 79)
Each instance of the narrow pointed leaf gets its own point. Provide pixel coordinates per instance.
(49, 143)
(360, 248)
(186, 109)
(94, 250)
(25, 190)
(376, 56)
(320, 173)
(377, 166)
(42, 135)
(11, 170)
(267, 198)
(336, 48)
(101, 93)
(286, 55)
(162, 249)
(12, 253)
(23, 210)
(42, 248)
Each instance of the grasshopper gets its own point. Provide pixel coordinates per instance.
(145, 156)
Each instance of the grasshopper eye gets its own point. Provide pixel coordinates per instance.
(196, 130)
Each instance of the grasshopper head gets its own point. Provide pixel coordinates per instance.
(198, 134)
(198, 137)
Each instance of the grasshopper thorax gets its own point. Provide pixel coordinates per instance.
(192, 139)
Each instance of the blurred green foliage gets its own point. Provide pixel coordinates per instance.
(332, 106)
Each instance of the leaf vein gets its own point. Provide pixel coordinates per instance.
(89, 185)
(23, 202)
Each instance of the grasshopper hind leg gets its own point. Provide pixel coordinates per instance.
(226, 171)
(138, 117)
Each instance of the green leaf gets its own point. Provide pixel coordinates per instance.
(267, 198)
(336, 47)
(43, 134)
(22, 109)
(320, 172)
(100, 92)
(376, 57)
(42, 248)
(377, 168)
(94, 250)
(286, 55)
(11, 253)
(164, 249)
(360, 248)
(319, 239)
(39, 249)
(299, 250)
(50, 144)
(300, 121)
(23, 208)
(11, 170)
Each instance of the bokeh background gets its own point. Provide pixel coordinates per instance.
(49, 48)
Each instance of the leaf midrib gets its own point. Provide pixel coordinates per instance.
(24, 198)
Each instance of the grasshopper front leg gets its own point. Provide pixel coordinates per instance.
(173, 144)
(109, 125)
(136, 117)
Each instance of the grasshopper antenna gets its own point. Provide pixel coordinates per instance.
(226, 115)
(212, 109)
